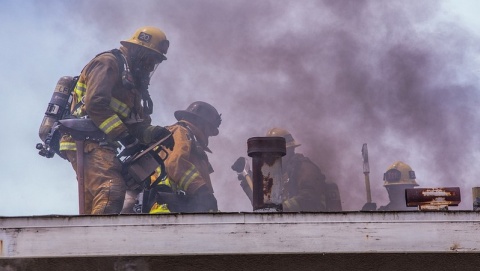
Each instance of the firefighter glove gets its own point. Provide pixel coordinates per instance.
(161, 132)
(239, 165)
(131, 145)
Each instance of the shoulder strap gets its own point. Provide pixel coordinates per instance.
(129, 82)
(125, 74)
(122, 62)
(122, 67)
(196, 148)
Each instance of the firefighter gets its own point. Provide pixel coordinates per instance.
(398, 177)
(305, 187)
(112, 90)
(187, 166)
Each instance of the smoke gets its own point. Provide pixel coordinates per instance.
(336, 74)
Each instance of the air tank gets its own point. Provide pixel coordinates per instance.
(57, 107)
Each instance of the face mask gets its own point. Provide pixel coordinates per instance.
(145, 68)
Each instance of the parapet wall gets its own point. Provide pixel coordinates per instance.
(236, 236)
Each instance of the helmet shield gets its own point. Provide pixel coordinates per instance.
(143, 63)
(148, 64)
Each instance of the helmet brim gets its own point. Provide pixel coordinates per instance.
(412, 183)
(127, 43)
(293, 144)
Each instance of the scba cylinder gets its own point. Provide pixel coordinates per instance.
(58, 105)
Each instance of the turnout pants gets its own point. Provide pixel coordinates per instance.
(104, 185)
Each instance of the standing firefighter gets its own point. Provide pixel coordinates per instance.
(188, 187)
(305, 187)
(398, 177)
(112, 91)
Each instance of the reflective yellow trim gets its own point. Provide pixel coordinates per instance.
(120, 108)
(80, 89)
(109, 124)
(166, 182)
(189, 176)
(68, 146)
(159, 209)
(116, 105)
(78, 113)
(156, 174)
(158, 171)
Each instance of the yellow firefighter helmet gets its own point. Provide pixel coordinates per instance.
(291, 143)
(399, 173)
(151, 38)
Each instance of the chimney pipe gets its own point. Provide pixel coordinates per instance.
(266, 153)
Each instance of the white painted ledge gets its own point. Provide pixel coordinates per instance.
(239, 233)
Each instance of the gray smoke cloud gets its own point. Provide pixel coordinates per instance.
(337, 74)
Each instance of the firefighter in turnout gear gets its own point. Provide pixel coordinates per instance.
(305, 186)
(112, 91)
(304, 183)
(187, 166)
(398, 177)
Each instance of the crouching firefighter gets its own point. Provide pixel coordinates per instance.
(187, 187)
(112, 94)
(305, 188)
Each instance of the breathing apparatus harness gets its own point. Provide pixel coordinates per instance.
(59, 106)
(128, 80)
(59, 120)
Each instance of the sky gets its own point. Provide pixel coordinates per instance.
(401, 76)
